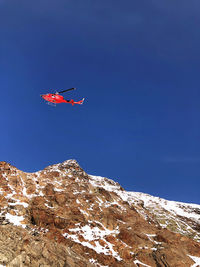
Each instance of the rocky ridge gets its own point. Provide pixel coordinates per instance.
(61, 216)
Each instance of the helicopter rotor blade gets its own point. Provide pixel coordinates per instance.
(66, 90)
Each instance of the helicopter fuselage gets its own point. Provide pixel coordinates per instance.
(54, 98)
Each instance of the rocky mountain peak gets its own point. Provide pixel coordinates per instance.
(61, 216)
(65, 164)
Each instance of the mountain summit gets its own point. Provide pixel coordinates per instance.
(61, 216)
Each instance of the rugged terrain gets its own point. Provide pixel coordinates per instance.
(61, 216)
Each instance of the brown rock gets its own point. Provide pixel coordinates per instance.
(71, 222)
(60, 198)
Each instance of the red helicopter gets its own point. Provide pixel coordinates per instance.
(57, 98)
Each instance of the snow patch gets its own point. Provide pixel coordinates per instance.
(16, 220)
(196, 260)
(177, 208)
(94, 234)
(25, 205)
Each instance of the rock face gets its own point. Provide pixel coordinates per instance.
(61, 216)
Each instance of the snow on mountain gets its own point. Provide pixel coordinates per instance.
(74, 219)
(186, 216)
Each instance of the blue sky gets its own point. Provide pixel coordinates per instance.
(137, 65)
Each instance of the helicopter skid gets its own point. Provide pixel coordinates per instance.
(51, 104)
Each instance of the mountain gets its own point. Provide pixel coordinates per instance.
(61, 216)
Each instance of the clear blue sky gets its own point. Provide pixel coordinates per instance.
(137, 65)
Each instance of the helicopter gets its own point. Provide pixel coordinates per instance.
(57, 98)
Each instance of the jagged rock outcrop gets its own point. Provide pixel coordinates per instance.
(61, 216)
